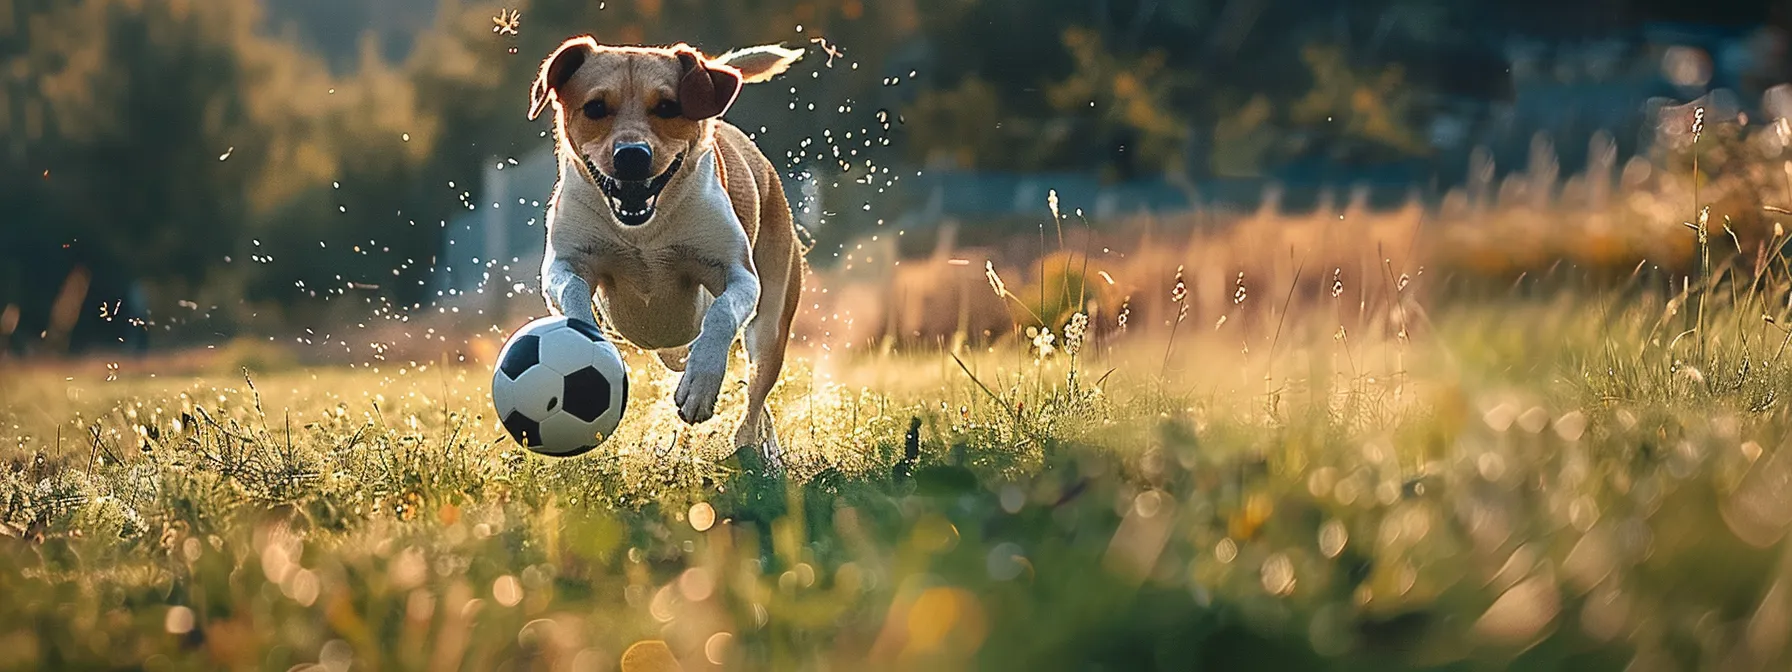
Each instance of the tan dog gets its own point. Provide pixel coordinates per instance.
(672, 215)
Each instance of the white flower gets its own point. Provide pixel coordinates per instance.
(1043, 342)
(1074, 333)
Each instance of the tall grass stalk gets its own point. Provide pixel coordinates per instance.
(1179, 297)
(1703, 215)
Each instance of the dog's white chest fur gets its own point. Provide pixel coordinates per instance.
(655, 281)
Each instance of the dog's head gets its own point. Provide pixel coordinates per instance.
(632, 114)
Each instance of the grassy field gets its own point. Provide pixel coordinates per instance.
(1571, 478)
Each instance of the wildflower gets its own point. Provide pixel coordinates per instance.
(1125, 310)
(1179, 296)
(1051, 199)
(1699, 228)
(995, 281)
(1074, 333)
(1337, 282)
(1042, 342)
(1698, 123)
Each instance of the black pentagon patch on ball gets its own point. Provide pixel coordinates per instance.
(588, 329)
(523, 429)
(587, 394)
(523, 353)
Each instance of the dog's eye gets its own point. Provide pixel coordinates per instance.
(667, 109)
(596, 109)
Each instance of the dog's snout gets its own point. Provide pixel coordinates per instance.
(634, 161)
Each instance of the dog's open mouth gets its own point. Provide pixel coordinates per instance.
(633, 201)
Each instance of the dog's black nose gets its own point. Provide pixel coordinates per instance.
(634, 161)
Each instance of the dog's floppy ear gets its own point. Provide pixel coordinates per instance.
(761, 63)
(707, 88)
(557, 69)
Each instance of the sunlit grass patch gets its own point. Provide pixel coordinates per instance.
(1521, 482)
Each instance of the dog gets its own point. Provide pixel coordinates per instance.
(670, 218)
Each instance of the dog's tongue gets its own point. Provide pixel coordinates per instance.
(634, 193)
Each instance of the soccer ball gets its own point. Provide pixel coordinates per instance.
(560, 386)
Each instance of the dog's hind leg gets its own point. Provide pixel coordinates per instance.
(767, 337)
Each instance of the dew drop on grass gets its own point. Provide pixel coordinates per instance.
(696, 584)
(1332, 538)
(1277, 575)
(715, 649)
(178, 620)
(702, 516)
(1013, 498)
(1571, 425)
(1491, 466)
(1522, 612)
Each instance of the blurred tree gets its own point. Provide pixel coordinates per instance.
(172, 146)
(1139, 87)
(1124, 103)
(1370, 116)
(128, 107)
(366, 225)
(336, 29)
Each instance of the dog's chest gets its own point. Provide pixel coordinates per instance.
(651, 271)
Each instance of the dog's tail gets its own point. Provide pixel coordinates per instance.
(761, 63)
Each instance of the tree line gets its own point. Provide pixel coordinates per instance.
(216, 168)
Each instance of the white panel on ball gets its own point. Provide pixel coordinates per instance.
(566, 350)
(537, 392)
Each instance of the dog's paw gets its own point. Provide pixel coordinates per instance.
(697, 393)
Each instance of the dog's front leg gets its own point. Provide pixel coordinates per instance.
(708, 361)
(566, 291)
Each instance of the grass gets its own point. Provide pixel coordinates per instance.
(1525, 483)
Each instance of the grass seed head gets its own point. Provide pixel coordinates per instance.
(1074, 332)
(995, 281)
